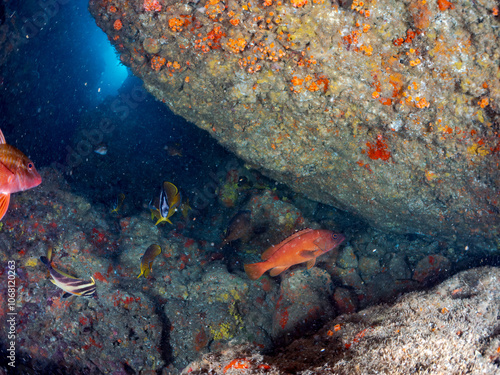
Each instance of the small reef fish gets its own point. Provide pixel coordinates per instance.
(101, 149)
(185, 208)
(17, 173)
(118, 203)
(240, 227)
(170, 199)
(303, 246)
(147, 259)
(173, 149)
(71, 285)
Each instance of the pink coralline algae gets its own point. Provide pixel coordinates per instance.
(152, 5)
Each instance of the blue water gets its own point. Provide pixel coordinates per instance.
(62, 77)
(64, 94)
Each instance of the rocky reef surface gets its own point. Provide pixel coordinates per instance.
(450, 329)
(197, 298)
(387, 109)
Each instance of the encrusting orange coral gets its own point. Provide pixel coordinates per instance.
(297, 81)
(157, 62)
(239, 363)
(117, 25)
(298, 3)
(175, 24)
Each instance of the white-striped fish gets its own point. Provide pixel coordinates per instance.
(71, 285)
(170, 199)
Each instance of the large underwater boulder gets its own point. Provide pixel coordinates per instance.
(450, 329)
(387, 109)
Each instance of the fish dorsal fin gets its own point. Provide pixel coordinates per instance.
(172, 193)
(2, 138)
(173, 197)
(65, 274)
(170, 189)
(177, 200)
(269, 252)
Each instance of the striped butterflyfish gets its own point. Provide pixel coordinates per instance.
(163, 208)
(71, 285)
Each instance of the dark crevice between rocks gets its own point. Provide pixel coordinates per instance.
(166, 327)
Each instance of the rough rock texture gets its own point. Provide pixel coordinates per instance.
(451, 329)
(190, 304)
(388, 109)
(197, 298)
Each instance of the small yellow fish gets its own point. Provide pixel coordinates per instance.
(170, 199)
(185, 208)
(147, 259)
(118, 203)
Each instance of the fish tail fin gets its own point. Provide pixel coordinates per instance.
(4, 204)
(142, 272)
(255, 270)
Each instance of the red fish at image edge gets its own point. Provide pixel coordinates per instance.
(17, 173)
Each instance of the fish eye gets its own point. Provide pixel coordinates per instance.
(30, 166)
(334, 236)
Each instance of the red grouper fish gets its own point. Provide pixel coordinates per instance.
(17, 173)
(303, 246)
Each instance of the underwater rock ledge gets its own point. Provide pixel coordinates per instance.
(451, 329)
(387, 109)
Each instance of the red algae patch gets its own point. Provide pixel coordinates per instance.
(378, 150)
